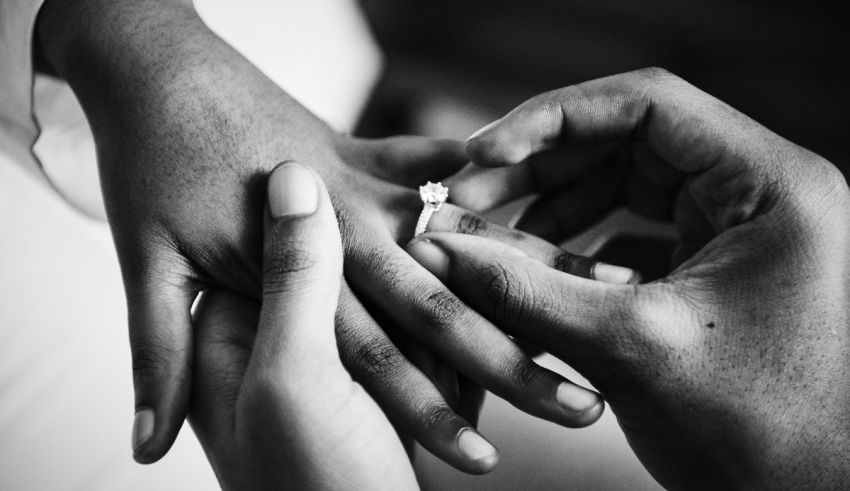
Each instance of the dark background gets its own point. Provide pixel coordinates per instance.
(781, 62)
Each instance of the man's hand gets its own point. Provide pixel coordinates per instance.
(186, 132)
(273, 406)
(732, 370)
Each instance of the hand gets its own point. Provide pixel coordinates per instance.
(186, 132)
(273, 406)
(732, 370)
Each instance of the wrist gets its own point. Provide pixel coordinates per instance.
(110, 51)
(153, 70)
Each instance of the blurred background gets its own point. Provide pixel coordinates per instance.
(377, 68)
(782, 62)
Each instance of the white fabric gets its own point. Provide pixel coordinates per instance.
(17, 128)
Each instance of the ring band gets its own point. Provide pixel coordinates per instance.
(433, 196)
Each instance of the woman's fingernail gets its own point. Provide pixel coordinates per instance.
(293, 191)
(483, 130)
(576, 399)
(432, 257)
(474, 447)
(143, 426)
(615, 274)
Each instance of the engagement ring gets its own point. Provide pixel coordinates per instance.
(433, 196)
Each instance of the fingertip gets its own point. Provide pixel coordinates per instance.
(144, 424)
(479, 454)
(618, 275)
(582, 406)
(293, 191)
(489, 151)
(497, 145)
(483, 130)
(154, 431)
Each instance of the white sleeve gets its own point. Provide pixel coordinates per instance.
(18, 129)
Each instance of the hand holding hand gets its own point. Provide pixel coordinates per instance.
(186, 132)
(732, 370)
(273, 406)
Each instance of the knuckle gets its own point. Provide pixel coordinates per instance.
(443, 308)
(471, 224)
(523, 372)
(389, 266)
(378, 358)
(289, 258)
(656, 75)
(434, 416)
(504, 293)
(573, 264)
(656, 318)
(150, 362)
(831, 180)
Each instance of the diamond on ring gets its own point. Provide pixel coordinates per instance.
(433, 196)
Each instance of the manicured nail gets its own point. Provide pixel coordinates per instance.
(482, 130)
(143, 426)
(576, 399)
(293, 191)
(432, 257)
(615, 274)
(474, 447)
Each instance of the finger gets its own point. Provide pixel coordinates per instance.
(302, 269)
(405, 394)
(471, 399)
(558, 216)
(454, 219)
(434, 316)
(443, 376)
(566, 315)
(408, 160)
(225, 326)
(480, 188)
(161, 343)
(543, 172)
(690, 130)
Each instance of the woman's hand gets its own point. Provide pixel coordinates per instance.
(731, 371)
(186, 132)
(273, 406)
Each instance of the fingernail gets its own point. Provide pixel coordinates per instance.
(432, 257)
(482, 130)
(293, 191)
(615, 274)
(576, 399)
(143, 426)
(474, 447)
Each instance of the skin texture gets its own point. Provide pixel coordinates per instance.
(186, 132)
(272, 405)
(729, 372)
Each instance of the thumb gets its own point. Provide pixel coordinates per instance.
(302, 271)
(161, 344)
